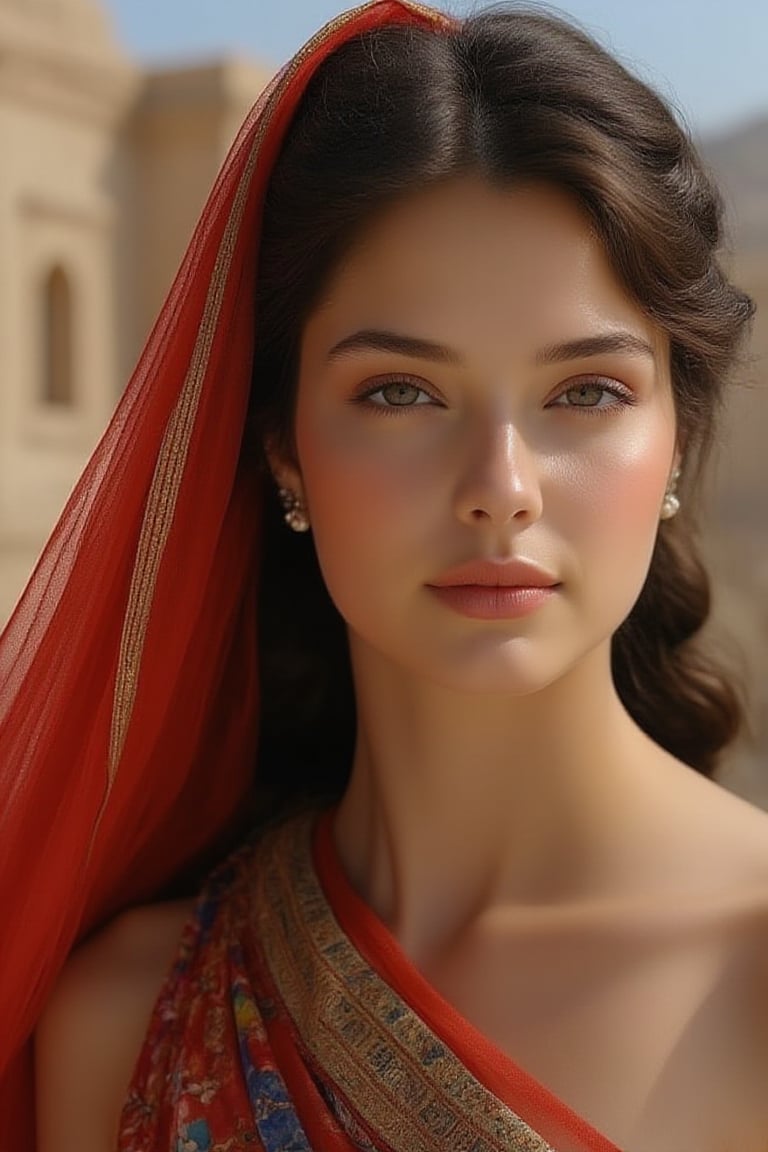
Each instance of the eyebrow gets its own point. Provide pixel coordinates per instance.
(599, 344)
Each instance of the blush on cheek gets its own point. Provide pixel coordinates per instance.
(380, 486)
(628, 487)
(624, 529)
(353, 497)
(612, 530)
(632, 499)
(617, 507)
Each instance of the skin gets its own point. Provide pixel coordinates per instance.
(525, 842)
(565, 883)
(493, 756)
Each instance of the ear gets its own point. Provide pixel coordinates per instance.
(285, 471)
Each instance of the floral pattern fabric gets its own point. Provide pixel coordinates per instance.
(291, 1021)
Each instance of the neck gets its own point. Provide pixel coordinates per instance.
(459, 803)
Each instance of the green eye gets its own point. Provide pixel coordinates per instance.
(587, 394)
(401, 393)
(397, 394)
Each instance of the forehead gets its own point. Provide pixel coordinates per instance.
(466, 256)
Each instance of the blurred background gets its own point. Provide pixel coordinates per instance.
(115, 116)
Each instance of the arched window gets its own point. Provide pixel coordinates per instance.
(58, 376)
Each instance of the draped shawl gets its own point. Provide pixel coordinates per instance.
(129, 695)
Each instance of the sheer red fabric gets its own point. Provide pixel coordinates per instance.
(509, 1082)
(292, 1019)
(128, 672)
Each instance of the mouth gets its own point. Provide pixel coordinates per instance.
(493, 601)
(516, 573)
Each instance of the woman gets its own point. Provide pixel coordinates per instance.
(484, 892)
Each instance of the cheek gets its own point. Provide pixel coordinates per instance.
(360, 499)
(614, 514)
(365, 518)
(630, 498)
(363, 480)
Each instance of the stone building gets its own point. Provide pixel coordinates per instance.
(105, 169)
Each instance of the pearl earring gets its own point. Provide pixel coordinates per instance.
(295, 512)
(671, 504)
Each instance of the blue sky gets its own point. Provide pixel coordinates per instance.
(709, 56)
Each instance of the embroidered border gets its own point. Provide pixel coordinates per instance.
(402, 1081)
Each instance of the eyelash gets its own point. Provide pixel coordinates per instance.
(625, 397)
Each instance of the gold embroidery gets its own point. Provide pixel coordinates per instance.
(404, 1083)
(169, 470)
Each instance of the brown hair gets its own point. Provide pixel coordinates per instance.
(511, 94)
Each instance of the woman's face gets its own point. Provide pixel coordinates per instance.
(496, 434)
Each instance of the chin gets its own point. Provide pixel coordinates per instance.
(515, 667)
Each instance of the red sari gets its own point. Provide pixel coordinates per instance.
(128, 671)
(292, 1020)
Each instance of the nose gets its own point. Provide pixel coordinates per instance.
(500, 481)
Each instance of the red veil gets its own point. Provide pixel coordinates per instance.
(128, 672)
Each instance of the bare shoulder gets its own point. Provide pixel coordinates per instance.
(91, 1032)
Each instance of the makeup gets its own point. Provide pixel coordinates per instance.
(486, 602)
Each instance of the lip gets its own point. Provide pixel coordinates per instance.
(493, 601)
(516, 573)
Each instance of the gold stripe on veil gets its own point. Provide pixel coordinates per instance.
(408, 1087)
